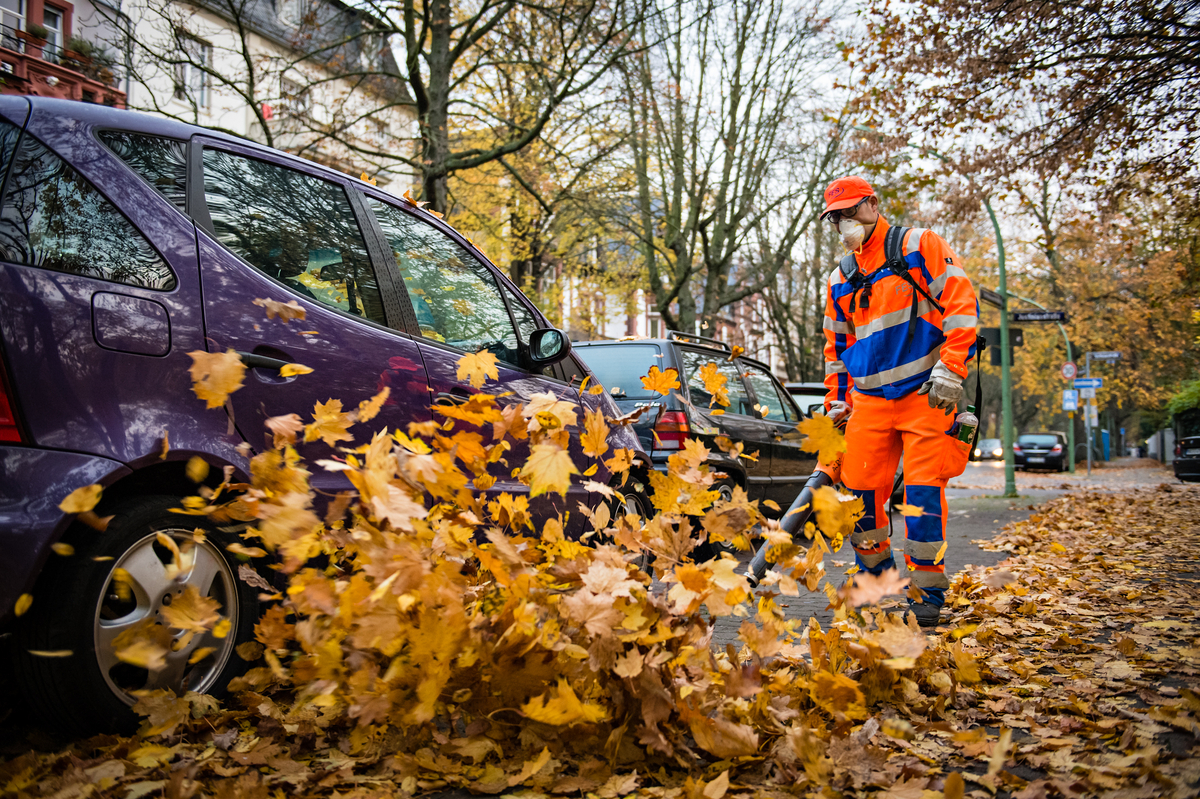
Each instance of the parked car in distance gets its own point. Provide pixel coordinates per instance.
(128, 241)
(761, 414)
(809, 396)
(1040, 451)
(1187, 459)
(989, 449)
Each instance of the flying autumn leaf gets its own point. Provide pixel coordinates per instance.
(191, 612)
(477, 367)
(330, 423)
(661, 382)
(81, 500)
(868, 589)
(293, 369)
(24, 601)
(821, 437)
(284, 429)
(369, 409)
(561, 707)
(910, 510)
(715, 383)
(595, 434)
(548, 469)
(216, 375)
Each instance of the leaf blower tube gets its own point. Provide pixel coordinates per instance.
(793, 521)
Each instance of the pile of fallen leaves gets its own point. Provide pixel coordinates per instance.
(429, 638)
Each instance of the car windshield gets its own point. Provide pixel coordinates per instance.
(990, 443)
(1037, 441)
(619, 367)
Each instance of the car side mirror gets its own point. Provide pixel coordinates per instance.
(818, 408)
(547, 346)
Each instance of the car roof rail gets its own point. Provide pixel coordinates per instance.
(676, 335)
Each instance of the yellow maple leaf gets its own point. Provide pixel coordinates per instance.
(191, 612)
(736, 351)
(838, 693)
(284, 310)
(562, 707)
(293, 369)
(216, 375)
(910, 510)
(81, 500)
(477, 367)
(659, 381)
(595, 434)
(23, 603)
(63, 549)
(330, 423)
(369, 409)
(549, 468)
(196, 469)
(821, 437)
(715, 384)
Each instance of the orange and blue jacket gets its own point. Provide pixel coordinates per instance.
(868, 349)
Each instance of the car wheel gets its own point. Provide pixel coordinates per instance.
(79, 610)
(629, 500)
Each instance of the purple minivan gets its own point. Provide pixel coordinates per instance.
(127, 241)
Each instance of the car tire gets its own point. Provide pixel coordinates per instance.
(79, 609)
(628, 500)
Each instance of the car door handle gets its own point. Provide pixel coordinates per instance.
(454, 397)
(253, 361)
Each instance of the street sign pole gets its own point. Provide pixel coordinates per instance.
(1087, 419)
(1006, 412)
(1066, 338)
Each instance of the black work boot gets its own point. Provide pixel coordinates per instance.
(927, 615)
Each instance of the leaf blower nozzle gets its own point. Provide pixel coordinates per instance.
(793, 521)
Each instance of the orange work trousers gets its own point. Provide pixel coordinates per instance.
(878, 431)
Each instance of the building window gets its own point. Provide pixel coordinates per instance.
(12, 16)
(52, 21)
(295, 100)
(292, 11)
(192, 81)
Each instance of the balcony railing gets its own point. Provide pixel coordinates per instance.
(98, 69)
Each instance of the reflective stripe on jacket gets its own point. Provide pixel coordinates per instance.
(866, 350)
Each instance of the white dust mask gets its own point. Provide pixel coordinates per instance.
(853, 234)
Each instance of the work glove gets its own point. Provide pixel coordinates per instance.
(838, 412)
(944, 388)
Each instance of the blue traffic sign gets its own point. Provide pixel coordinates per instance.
(1070, 400)
(1089, 382)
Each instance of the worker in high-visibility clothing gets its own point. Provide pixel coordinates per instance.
(897, 341)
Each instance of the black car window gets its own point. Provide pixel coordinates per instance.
(294, 227)
(54, 218)
(620, 367)
(526, 324)
(456, 298)
(771, 405)
(161, 162)
(9, 133)
(693, 361)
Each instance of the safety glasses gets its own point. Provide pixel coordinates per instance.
(835, 217)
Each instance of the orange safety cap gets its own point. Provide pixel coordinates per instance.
(846, 193)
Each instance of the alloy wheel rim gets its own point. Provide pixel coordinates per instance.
(128, 604)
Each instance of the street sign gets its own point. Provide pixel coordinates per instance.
(1069, 370)
(1039, 316)
(1070, 400)
(990, 297)
(1106, 355)
(1089, 382)
(1087, 393)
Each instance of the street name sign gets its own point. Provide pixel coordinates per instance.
(1106, 355)
(990, 297)
(1070, 400)
(1039, 316)
(1089, 382)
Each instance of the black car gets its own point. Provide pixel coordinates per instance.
(1040, 451)
(1187, 459)
(761, 415)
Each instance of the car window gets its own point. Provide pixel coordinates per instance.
(54, 218)
(620, 367)
(526, 324)
(1038, 441)
(693, 361)
(776, 408)
(295, 228)
(454, 295)
(159, 161)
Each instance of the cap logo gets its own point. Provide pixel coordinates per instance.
(836, 192)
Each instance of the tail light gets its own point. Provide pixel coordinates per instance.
(1178, 450)
(1057, 448)
(1016, 447)
(671, 430)
(9, 431)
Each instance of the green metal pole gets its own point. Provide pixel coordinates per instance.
(1070, 415)
(1006, 414)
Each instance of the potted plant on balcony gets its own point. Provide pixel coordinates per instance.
(79, 51)
(34, 34)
